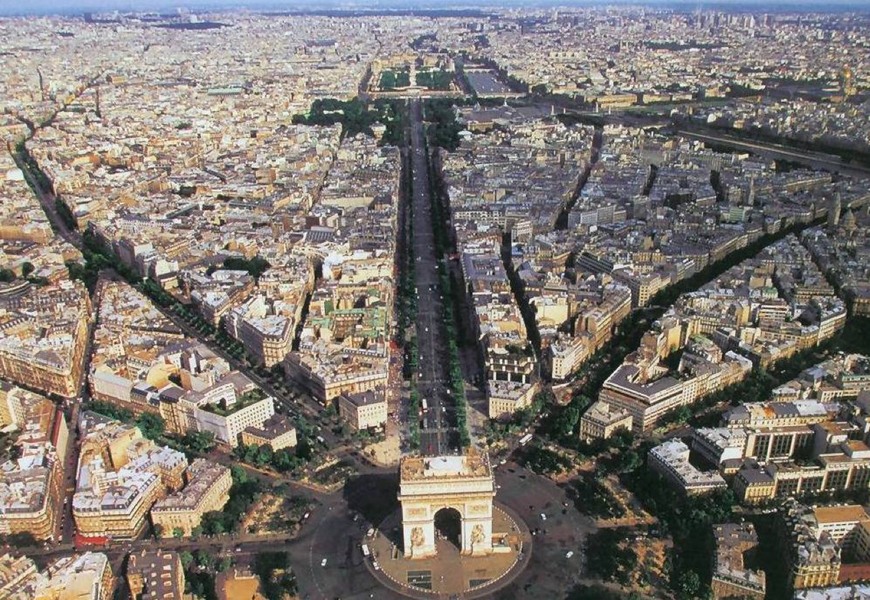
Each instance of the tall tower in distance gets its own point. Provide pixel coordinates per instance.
(41, 84)
(834, 211)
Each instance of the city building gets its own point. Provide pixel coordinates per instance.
(120, 477)
(228, 421)
(85, 576)
(16, 572)
(32, 482)
(504, 398)
(731, 577)
(671, 461)
(600, 421)
(277, 432)
(43, 337)
(155, 575)
(207, 489)
(363, 410)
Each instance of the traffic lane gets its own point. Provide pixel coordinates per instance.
(334, 535)
(550, 572)
(431, 341)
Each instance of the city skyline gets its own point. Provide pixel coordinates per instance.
(74, 7)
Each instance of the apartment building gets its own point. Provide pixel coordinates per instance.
(85, 576)
(120, 477)
(155, 575)
(600, 421)
(504, 398)
(364, 410)
(566, 355)
(671, 461)
(731, 577)
(207, 489)
(277, 432)
(328, 374)
(39, 361)
(15, 573)
(755, 483)
(267, 337)
(814, 558)
(31, 483)
(648, 394)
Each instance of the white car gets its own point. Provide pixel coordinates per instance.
(323, 563)
(543, 517)
(569, 554)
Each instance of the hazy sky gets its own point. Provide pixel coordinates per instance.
(78, 6)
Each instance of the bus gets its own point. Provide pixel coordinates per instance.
(525, 439)
(365, 550)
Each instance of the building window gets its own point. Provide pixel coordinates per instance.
(837, 480)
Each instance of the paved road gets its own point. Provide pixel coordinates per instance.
(432, 378)
(332, 534)
(550, 573)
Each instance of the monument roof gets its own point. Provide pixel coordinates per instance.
(472, 464)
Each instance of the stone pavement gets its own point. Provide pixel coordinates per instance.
(449, 574)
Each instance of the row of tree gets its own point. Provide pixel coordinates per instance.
(441, 224)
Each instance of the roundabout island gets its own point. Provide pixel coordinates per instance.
(449, 572)
(448, 537)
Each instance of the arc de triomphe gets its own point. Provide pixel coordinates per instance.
(428, 484)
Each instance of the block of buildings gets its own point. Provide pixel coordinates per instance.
(120, 477)
(228, 420)
(17, 573)
(85, 576)
(31, 485)
(812, 554)
(206, 489)
(43, 336)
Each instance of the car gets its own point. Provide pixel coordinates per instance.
(569, 554)
(323, 563)
(376, 565)
(543, 517)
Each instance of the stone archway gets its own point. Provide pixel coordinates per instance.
(448, 524)
(463, 485)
